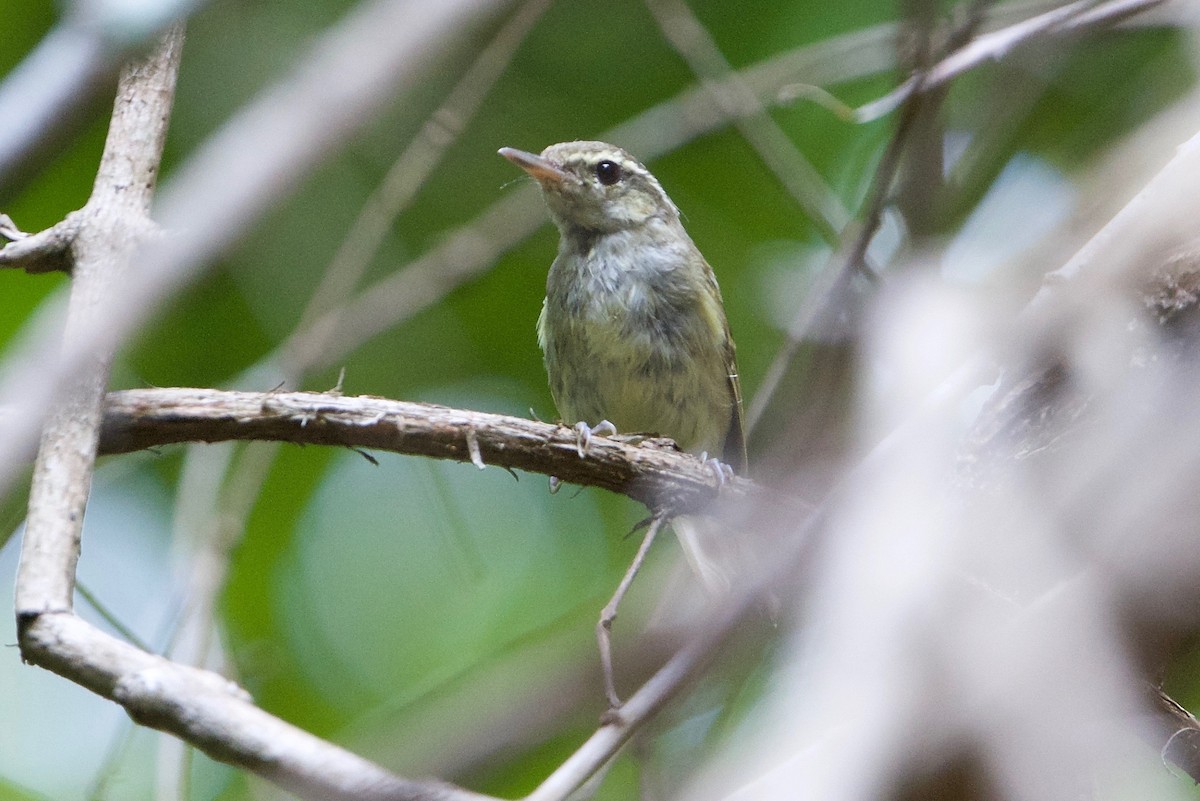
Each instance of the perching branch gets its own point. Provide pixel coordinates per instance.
(652, 472)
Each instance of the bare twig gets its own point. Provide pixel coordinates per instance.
(9, 229)
(609, 613)
(688, 662)
(1071, 19)
(743, 107)
(409, 172)
(833, 283)
(44, 252)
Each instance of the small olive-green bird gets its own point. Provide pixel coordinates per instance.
(633, 328)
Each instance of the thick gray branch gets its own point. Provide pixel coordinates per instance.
(216, 716)
(105, 234)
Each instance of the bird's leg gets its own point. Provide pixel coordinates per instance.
(609, 614)
(723, 472)
(584, 434)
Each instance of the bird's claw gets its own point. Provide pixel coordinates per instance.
(721, 471)
(584, 434)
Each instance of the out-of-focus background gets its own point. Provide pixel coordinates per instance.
(439, 619)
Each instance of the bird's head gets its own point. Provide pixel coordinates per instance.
(594, 186)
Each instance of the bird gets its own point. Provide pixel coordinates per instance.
(633, 327)
(633, 332)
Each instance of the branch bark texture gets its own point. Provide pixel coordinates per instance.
(652, 471)
(106, 233)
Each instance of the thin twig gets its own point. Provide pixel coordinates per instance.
(407, 175)
(1071, 19)
(9, 229)
(687, 663)
(44, 252)
(833, 282)
(609, 613)
(748, 113)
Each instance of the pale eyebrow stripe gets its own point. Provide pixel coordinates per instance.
(601, 155)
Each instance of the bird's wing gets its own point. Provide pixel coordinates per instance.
(735, 440)
(734, 453)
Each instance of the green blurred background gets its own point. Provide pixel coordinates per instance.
(432, 617)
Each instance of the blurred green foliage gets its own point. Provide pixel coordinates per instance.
(409, 608)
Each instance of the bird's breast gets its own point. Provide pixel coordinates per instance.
(625, 339)
(621, 286)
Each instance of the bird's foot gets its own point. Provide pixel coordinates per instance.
(584, 434)
(721, 471)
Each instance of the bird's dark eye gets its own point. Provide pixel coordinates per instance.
(609, 172)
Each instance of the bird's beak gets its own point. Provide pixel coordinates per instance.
(537, 167)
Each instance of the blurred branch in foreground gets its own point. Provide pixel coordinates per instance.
(76, 63)
(998, 585)
(243, 169)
